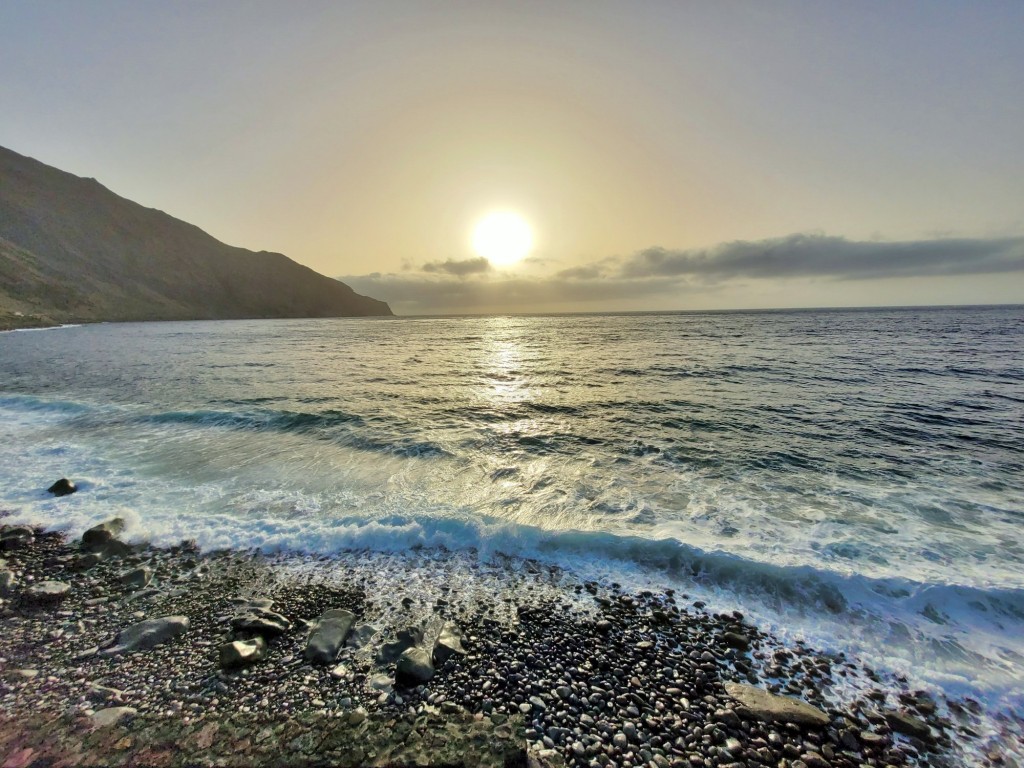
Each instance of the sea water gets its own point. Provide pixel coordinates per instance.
(854, 478)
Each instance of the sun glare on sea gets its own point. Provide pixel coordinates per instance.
(503, 238)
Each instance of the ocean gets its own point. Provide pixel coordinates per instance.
(851, 478)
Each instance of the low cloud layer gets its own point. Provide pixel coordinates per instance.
(458, 268)
(657, 277)
(822, 256)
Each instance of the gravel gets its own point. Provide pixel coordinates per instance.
(590, 675)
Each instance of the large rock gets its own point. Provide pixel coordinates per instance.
(242, 652)
(448, 642)
(908, 725)
(758, 704)
(99, 536)
(62, 487)
(48, 591)
(16, 538)
(329, 635)
(389, 653)
(257, 618)
(147, 634)
(7, 582)
(414, 666)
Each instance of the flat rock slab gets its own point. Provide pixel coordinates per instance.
(148, 634)
(137, 578)
(448, 642)
(256, 617)
(48, 591)
(329, 635)
(104, 718)
(767, 707)
(362, 635)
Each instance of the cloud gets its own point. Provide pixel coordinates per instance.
(809, 255)
(588, 272)
(659, 277)
(504, 293)
(459, 268)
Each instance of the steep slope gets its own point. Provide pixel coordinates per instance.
(72, 250)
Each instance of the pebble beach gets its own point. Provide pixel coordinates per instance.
(118, 653)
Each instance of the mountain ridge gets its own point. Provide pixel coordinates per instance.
(72, 250)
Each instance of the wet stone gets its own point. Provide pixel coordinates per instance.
(240, 653)
(147, 634)
(329, 635)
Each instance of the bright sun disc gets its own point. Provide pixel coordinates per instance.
(503, 238)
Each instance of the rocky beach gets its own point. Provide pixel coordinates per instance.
(118, 653)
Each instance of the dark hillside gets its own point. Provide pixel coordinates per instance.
(71, 250)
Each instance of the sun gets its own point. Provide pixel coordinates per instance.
(503, 238)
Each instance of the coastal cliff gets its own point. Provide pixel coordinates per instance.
(73, 251)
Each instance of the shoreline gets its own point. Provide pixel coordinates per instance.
(563, 671)
(21, 322)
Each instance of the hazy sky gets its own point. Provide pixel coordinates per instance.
(667, 154)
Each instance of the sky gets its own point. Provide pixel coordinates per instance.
(665, 155)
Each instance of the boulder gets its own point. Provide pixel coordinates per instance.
(17, 537)
(147, 634)
(414, 666)
(407, 638)
(7, 582)
(62, 487)
(99, 536)
(736, 640)
(329, 635)
(448, 642)
(137, 578)
(908, 725)
(104, 718)
(242, 652)
(758, 704)
(256, 618)
(48, 591)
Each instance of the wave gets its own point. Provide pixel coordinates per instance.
(31, 403)
(281, 421)
(334, 425)
(967, 631)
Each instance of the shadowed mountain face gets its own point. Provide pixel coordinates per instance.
(71, 250)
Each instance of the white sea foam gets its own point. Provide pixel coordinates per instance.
(44, 328)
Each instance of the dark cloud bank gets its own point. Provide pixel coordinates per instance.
(472, 285)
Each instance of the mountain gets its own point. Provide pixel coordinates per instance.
(73, 251)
